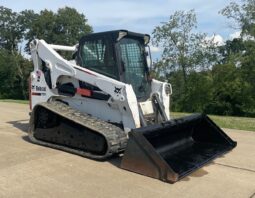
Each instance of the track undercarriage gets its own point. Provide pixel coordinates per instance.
(56, 125)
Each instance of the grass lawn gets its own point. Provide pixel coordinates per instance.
(16, 101)
(230, 122)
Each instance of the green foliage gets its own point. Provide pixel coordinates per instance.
(243, 16)
(14, 72)
(177, 40)
(183, 48)
(197, 96)
(206, 78)
(11, 30)
(64, 27)
(241, 53)
(234, 80)
(7, 74)
(185, 60)
(228, 89)
(70, 26)
(247, 62)
(232, 51)
(40, 26)
(15, 101)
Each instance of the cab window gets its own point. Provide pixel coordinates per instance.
(98, 55)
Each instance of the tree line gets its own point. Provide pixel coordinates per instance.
(205, 76)
(63, 27)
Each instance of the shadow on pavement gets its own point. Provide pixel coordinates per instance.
(115, 160)
(198, 173)
(23, 125)
(26, 138)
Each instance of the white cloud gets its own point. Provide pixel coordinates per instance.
(216, 39)
(238, 35)
(154, 49)
(235, 35)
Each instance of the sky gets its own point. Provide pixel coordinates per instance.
(137, 15)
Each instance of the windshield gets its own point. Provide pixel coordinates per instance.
(98, 55)
(134, 66)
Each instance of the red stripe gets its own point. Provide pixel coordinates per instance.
(84, 92)
(30, 101)
(36, 94)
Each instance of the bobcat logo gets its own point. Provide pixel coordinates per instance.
(117, 90)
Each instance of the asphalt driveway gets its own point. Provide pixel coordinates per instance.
(29, 170)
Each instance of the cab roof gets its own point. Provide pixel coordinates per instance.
(116, 35)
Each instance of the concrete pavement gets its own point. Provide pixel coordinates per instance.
(29, 170)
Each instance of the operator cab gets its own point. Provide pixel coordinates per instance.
(120, 55)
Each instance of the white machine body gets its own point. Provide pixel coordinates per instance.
(122, 107)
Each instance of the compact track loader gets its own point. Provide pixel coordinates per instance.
(103, 102)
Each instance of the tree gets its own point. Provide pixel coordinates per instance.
(199, 92)
(183, 49)
(40, 26)
(14, 68)
(242, 51)
(232, 51)
(230, 95)
(14, 72)
(11, 30)
(185, 52)
(70, 26)
(243, 16)
(248, 73)
(64, 27)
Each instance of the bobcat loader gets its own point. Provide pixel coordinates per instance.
(103, 102)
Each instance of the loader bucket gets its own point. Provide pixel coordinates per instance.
(172, 150)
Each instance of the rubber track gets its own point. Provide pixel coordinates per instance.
(116, 138)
